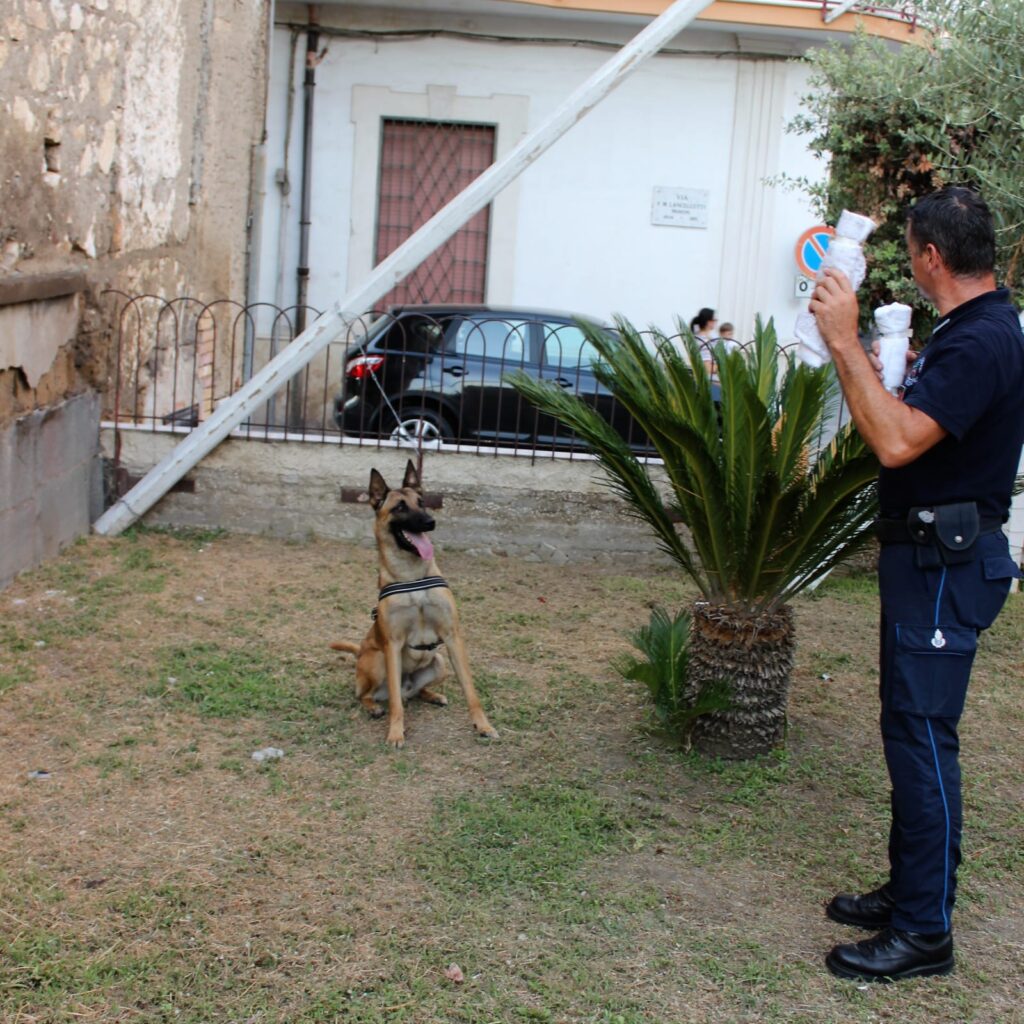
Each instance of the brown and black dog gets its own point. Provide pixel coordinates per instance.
(416, 613)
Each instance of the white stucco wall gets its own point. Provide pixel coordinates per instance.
(584, 239)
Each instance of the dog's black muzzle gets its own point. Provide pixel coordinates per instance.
(416, 522)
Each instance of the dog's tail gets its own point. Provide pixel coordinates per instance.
(344, 645)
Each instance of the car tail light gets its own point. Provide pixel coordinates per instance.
(362, 366)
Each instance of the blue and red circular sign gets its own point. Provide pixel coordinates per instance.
(811, 247)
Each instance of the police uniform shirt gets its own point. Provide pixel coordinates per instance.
(970, 380)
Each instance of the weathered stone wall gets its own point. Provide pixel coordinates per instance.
(126, 137)
(127, 130)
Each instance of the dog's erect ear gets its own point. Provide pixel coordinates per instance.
(378, 489)
(412, 478)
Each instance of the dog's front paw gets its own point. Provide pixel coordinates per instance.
(486, 729)
(396, 738)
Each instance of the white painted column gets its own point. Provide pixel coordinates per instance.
(758, 119)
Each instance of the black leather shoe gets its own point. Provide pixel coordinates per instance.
(872, 910)
(892, 955)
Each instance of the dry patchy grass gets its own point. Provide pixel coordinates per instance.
(579, 870)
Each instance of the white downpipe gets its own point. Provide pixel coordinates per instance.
(155, 484)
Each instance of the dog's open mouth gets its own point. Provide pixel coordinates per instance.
(421, 543)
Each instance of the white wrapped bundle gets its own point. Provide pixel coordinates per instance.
(893, 323)
(846, 253)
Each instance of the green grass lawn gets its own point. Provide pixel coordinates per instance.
(581, 869)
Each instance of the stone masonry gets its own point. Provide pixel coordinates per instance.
(127, 138)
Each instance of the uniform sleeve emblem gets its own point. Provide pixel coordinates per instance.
(912, 375)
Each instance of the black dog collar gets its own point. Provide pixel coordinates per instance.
(427, 583)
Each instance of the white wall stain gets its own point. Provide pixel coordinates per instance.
(39, 70)
(22, 113)
(151, 159)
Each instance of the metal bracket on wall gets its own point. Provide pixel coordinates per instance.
(360, 496)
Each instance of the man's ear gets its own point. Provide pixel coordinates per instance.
(932, 256)
(378, 489)
(412, 478)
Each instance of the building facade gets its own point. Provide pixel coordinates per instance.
(655, 204)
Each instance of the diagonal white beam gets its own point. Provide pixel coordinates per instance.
(155, 484)
(839, 10)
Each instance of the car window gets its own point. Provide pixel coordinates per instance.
(505, 340)
(566, 348)
(414, 334)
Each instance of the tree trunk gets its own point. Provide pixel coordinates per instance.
(754, 655)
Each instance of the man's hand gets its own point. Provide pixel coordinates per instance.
(834, 305)
(876, 362)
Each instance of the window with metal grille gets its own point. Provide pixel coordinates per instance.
(423, 165)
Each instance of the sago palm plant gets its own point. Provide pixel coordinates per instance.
(662, 665)
(766, 511)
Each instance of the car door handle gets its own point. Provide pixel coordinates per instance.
(455, 371)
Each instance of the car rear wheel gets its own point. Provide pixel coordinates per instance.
(419, 427)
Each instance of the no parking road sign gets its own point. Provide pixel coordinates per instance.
(811, 247)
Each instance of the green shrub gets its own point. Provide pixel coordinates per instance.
(662, 667)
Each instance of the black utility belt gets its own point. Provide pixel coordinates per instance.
(951, 529)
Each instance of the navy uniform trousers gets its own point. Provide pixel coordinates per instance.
(931, 617)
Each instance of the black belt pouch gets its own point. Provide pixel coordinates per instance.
(955, 530)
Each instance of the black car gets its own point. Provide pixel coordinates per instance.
(436, 373)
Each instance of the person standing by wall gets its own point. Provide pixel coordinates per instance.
(703, 327)
(949, 448)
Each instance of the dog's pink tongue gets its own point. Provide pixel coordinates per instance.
(421, 542)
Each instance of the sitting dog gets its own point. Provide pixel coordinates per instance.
(415, 614)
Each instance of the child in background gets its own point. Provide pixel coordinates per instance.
(727, 335)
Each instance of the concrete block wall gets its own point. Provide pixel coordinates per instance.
(550, 510)
(50, 482)
(50, 471)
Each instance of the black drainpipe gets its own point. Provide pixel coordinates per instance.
(305, 216)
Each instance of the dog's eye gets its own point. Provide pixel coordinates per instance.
(401, 507)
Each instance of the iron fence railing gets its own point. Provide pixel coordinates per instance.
(415, 377)
(905, 11)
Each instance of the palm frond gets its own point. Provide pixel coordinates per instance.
(836, 510)
(766, 511)
(628, 477)
(745, 447)
(763, 359)
(804, 393)
(663, 668)
(669, 396)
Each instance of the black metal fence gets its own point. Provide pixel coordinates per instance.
(417, 377)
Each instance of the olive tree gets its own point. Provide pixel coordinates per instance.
(897, 123)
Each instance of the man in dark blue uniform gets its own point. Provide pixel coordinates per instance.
(950, 447)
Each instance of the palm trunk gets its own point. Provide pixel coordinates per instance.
(754, 655)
